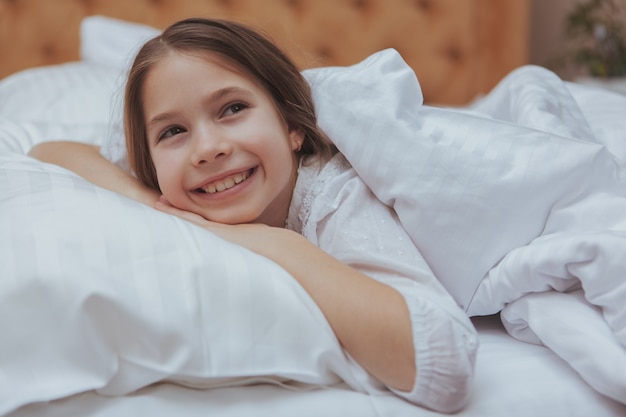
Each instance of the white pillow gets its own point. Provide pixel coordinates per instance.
(111, 42)
(72, 93)
(20, 137)
(78, 101)
(102, 293)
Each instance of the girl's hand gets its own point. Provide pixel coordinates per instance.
(252, 236)
(163, 205)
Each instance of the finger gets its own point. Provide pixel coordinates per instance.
(168, 208)
(164, 200)
(186, 215)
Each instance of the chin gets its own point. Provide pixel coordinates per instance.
(230, 219)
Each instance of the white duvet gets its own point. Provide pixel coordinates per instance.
(517, 203)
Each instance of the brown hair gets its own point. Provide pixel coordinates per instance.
(248, 50)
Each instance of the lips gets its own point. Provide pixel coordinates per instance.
(225, 183)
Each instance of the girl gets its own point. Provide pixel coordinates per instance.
(221, 131)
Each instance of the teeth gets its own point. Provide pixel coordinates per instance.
(225, 184)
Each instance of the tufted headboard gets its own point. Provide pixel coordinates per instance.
(458, 48)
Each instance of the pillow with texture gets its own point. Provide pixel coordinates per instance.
(72, 93)
(20, 137)
(112, 42)
(78, 101)
(114, 296)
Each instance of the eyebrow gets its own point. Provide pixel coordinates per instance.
(159, 118)
(226, 91)
(217, 95)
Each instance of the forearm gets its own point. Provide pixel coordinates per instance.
(373, 323)
(86, 161)
(370, 319)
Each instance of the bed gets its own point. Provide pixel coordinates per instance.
(109, 308)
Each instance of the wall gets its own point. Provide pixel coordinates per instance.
(547, 40)
(457, 48)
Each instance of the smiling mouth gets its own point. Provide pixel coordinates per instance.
(226, 183)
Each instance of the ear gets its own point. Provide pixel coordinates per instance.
(296, 138)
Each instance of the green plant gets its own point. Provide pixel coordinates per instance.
(597, 33)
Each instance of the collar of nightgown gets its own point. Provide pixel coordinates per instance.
(302, 198)
(314, 177)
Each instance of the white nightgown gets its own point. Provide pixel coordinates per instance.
(333, 208)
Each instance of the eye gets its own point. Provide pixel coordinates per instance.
(170, 132)
(234, 108)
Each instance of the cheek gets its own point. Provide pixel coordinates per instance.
(166, 171)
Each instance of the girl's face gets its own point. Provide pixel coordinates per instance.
(217, 141)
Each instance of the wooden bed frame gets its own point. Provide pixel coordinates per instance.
(458, 48)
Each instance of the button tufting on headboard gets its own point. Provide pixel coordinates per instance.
(49, 51)
(360, 4)
(425, 5)
(453, 53)
(457, 49)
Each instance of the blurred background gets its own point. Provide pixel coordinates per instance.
(458, 48)
(578, 38)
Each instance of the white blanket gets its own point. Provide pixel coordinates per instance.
(516, 198)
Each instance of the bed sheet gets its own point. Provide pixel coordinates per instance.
(513, 378)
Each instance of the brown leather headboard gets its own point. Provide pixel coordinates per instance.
(458, 48)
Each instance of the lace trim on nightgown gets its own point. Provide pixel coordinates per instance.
(309, 186)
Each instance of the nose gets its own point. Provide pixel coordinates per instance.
(209, 145)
